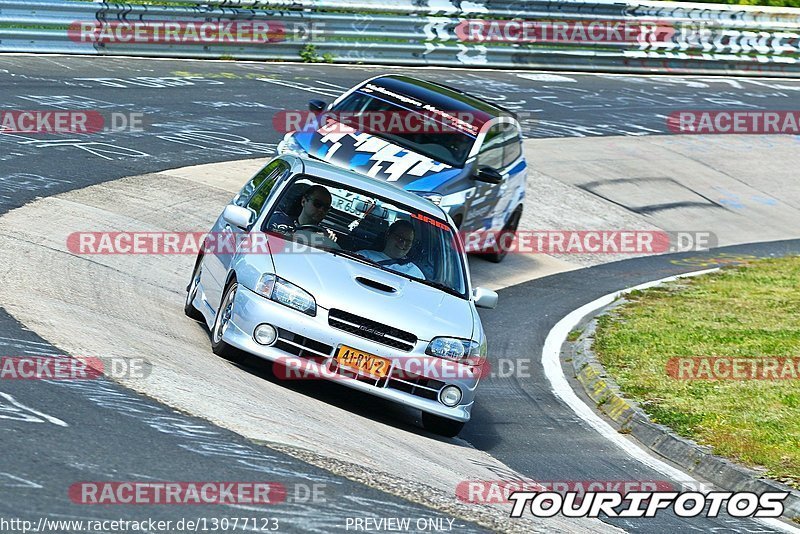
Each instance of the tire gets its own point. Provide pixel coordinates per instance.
(222, 321)
(191, 293)
(510, 228)
(441, 425)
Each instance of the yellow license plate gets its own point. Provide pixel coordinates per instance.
(363, 361)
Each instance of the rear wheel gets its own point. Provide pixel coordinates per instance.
(441, 425)
(191, 292)
(506, 238)
(222, 322)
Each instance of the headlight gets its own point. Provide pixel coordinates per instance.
(456, 349)
(290, 145)
(436, 198)
(286, 293)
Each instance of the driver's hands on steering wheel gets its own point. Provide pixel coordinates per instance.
(327, 232)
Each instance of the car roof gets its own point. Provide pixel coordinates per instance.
(381, 188)
(440, 96)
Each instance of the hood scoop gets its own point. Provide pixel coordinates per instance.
(373, 284)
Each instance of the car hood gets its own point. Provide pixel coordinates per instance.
(425, 311)
(378, 158)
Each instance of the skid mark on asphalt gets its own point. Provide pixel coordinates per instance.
(324, 91)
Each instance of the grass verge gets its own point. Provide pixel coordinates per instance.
(751, 311)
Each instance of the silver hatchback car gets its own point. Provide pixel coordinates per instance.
(335, 275)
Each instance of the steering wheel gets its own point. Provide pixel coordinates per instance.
(326, 237)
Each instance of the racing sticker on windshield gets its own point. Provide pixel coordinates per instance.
(430, 220)
(377, 157)
(472, 126)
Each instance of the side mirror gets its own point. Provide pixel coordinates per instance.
(317, 106)
(484, 298)
(237, 216)
(488, 175)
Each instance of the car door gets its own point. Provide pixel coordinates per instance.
(514, 170)
(253, 196)
(481, 205)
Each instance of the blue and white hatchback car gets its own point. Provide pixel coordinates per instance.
(474, 170)
(328, 271)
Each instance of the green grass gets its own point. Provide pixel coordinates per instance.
(750, 311)
(574, 335)
(777, 3)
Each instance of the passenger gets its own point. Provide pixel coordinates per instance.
(399, 240)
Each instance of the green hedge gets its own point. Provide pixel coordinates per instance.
(778, 3)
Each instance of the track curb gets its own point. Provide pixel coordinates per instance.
(628, 418)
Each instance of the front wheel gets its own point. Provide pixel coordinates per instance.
(503, 243)
(222, 322)
(191, 293)
(441, 425)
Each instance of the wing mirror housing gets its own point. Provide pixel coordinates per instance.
(317, 106)
(237, 216)
(484, 298)
(488, 175)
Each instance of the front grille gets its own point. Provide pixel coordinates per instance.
(302, 346)
(427, 388)
(372, 330)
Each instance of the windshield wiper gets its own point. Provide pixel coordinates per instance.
(351, 255)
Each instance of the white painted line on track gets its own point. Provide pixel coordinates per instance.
(16, 340)
(48, 418)
(558, 382)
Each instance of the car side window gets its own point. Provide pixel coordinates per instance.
(513, 145)
(491, 154)
(257, 190)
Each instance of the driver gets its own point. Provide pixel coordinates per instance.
(315, 204)
(399, 239)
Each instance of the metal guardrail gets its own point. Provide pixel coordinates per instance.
(667, 37)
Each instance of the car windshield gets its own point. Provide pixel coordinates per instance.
(409, 128)
(372, 230)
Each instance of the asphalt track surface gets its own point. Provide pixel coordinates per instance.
(200, 112)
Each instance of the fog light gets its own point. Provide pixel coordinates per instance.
(450, 396)
(265, 334)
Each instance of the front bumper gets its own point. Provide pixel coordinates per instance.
(310, 344)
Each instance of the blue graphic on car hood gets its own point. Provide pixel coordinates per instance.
(375, 157)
